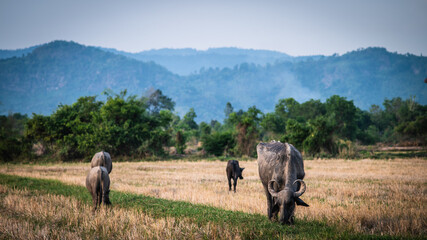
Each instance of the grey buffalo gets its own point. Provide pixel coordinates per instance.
(102, 159)
(98, 184)
(281, 170)
(234, 171)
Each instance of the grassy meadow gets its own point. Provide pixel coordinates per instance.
(190, 200)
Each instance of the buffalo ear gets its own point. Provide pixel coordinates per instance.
(300, 202)
(241, 169)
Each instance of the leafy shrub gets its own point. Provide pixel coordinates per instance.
(218, 142)
(180, 142)
(320, 138)
(296, 133)
(369, 136)
(12, 142)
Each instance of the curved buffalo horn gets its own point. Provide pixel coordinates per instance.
(271, 189)
(302, 189)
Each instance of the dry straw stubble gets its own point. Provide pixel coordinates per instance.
(367, 196)
(28, 216)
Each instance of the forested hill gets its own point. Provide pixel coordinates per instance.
(60, 72)
(366, 76)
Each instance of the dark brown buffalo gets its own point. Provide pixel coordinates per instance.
(281, 170)
(234, 171)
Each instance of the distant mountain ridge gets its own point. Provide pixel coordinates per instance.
(189, 61)
(16, 53)
(60, 72)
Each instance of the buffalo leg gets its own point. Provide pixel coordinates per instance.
(269, 203)
(272, 208)
(234, 184)
(99, 195)
(94, 201)
(229, 184)
(275, 210)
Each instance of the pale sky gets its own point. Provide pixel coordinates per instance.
(296, 27)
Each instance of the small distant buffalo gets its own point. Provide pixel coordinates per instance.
(281, 170)
(98, 184)
(102, 159)
(234, 171)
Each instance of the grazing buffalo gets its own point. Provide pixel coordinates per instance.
(102, 159)
(233, 172)
(98, 184)
(281, 170)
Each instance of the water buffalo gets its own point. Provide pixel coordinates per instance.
(281, 170)
(102, 159)
(98, 184)
(234, 171)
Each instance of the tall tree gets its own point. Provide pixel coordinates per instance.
(247, 127)
(156, 101)
(341, 113)
(188, 122)
(228, 109)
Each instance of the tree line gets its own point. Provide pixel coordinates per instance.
(128, 125)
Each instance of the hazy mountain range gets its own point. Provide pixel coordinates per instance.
(189, 61)
(39, 78)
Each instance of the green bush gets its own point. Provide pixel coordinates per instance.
(320, 138)
(10, 148)
(296, 133)
(122, 125)
(218, 142)
(180, 142)
(12, 142)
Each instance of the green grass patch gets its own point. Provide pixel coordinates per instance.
(249, 226)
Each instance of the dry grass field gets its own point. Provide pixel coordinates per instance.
(27, 216)
(366, 196)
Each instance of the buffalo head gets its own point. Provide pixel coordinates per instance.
(286, 200)
(239, 172)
